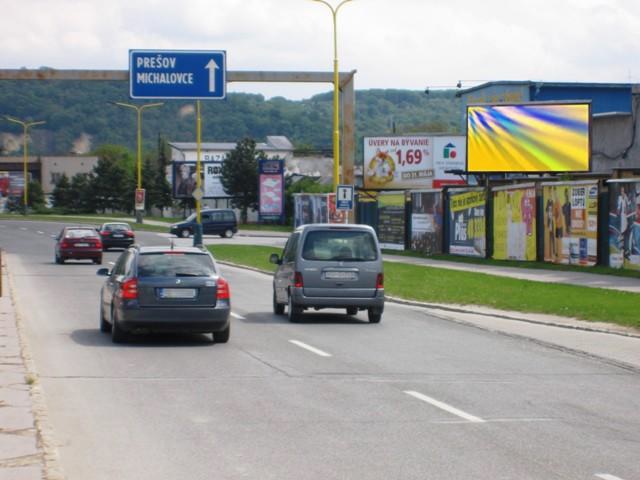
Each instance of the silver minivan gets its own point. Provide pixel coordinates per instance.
(329, 266)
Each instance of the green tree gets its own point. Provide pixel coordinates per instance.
(239, 176)
(61, 194)
(81, 194)
(113, 182)
(36, 196)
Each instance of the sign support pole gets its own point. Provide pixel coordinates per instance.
(197, 235)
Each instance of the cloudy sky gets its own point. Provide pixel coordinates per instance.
(408, 44)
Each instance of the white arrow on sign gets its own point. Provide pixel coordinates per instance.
(212, 66)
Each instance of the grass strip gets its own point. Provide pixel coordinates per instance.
(440, 285)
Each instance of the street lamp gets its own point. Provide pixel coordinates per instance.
(336, 95)
(139, 109)
(25, 149)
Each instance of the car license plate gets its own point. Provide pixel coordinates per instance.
(177, 293)
(340, 275)
(82, 244)
(118, 235)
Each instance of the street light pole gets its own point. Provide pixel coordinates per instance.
(25, 149)
(139, 109)
(336, 95)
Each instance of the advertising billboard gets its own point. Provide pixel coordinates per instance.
(529, 138)
(271, 188)
(391, 220)
(624, 223)
(184, 179)
(417, 161)
(467, 230)
(571, 222)
(426, 221)
(514, 222)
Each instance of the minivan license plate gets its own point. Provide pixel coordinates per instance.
(177, 293)
(340, 275)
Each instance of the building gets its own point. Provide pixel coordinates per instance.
(614, 106)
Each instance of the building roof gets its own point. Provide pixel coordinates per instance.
(538, 84)
(273, 143)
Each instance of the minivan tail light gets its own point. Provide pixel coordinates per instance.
(297, 280)
(222, 289)
(129, 289)
(380, 281)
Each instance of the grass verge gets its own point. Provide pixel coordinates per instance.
(439, 285)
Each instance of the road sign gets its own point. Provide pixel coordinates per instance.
(140, 194)
(198, 194)
(344, 197)
(186, 74)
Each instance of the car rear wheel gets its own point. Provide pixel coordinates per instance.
(228, 233)
(117, 334)
(59, 260)
(278, 308)
(97, 261)
(375, 315)
(352, 310)
(293, 311)
(184, 233)
(223, 336)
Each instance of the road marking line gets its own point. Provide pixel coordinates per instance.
(239, 317)
(310, 348)
(606, 476)
(41, 233)
(22, 228)
(445, 407)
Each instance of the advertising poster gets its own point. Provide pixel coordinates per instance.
(449, 153)
(514, 223)
(271, 183)
(391, 221)
(184, 179)
(5, 183)
(624, 224)
(467, 217)
(426, 221)
(310, 208)
(335, 215)
(571, 222)
(212, 185)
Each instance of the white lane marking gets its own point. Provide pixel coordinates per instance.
(41, 233)
(606, 476)
(239, 317)
(445, 407)
(23, 228)
(310, 348)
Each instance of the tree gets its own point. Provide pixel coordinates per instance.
(113, 182)
(81, 194)
(36, 196)
(61, 194)
(239, 176)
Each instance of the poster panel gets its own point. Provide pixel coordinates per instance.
(624, 224)
(335, 215)
(467, 210)
(391, 221)
(184, 179)
(426, 221)
(212, 184)
(571, 222)
(310, 208)
(514, 223)
(449, 153)
(271, 188)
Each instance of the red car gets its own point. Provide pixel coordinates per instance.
(78, 243)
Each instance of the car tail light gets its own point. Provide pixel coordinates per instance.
(98, 244)
(129, 233)
(104, 233)
(65, 244)
(222, 287)
(129, 289)
(380, 281)
(297, 280)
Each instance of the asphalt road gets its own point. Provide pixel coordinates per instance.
(415, 397)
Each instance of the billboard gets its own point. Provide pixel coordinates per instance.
(391, 220)
(467, 231)
(514, 222)
(271, 188)
(571, 222)
(529, 138)
(416, 161)
(184, 179)
(426, 221)
(624, 223)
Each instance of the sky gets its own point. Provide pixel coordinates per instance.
(400, 44)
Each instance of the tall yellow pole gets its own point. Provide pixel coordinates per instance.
(199, 150)
(336, 95)
(25, 150)
(139, 111)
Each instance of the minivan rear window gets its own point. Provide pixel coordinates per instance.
(169, 264)
(340, 245)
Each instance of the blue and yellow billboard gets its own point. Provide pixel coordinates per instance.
(529, 138)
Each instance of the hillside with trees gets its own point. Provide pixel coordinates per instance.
(81, 116)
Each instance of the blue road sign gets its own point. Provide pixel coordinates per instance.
(344, 197)
(178, 74)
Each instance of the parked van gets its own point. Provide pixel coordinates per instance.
(214, 222)
(329, 266)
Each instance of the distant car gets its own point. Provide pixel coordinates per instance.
(116, 234)
(165, 289)
(78, 243)
(221, 222)
(330, 266)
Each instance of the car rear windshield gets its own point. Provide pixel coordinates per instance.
(116, 227)
(354, 246)
(80, 233)
(167, 264)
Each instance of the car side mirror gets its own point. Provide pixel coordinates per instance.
(274, 258)
(103, 272)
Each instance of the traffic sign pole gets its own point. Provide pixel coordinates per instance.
(197, 235)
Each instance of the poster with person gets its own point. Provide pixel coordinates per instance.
(310, 208)
(514, 222)
(184, 179)
(571, 222)
(624, 223)
(426, 221)
(467, 222)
